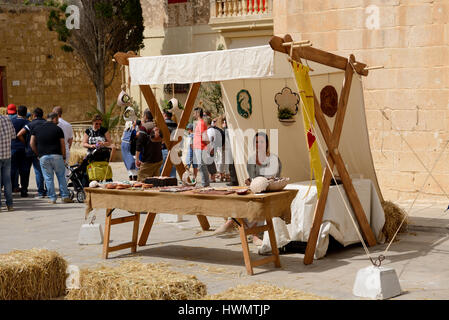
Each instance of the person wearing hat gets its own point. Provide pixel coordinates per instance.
(20, 163)
(12, 111)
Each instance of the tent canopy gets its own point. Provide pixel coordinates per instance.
(260, 62)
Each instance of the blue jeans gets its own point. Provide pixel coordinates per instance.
(5, 178)
(173, 168)
(202, 159)
(39, 176)
(54, 164)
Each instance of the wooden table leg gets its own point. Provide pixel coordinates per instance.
(245, 247)
(274, 246)
(107, 233)
(203, 222)
(135, 231)
(146, 228)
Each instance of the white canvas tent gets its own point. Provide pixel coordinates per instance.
(264, 72)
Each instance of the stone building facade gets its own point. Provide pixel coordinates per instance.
(36, 72)
(410, 38)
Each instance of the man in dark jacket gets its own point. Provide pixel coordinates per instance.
(24, 135)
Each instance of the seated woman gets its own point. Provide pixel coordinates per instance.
(262, 163)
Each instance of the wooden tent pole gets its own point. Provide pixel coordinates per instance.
(316, 55)
(190, 102)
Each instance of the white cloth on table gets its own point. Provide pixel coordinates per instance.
(336, 221)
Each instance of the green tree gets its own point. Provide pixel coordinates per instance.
(210, 95)
(105, 27)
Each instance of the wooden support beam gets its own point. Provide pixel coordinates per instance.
(343, 103)
(332, 139)
(190, 103)
(318, 215)
(157, 114)
(316, 55)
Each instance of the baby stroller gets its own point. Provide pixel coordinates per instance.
(95, 166)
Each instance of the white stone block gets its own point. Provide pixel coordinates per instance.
(376, 283)
(90, 234)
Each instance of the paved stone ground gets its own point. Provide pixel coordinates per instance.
(420, 257)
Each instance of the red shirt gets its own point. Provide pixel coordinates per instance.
(198, 139)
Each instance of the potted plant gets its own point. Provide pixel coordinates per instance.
(286, 115)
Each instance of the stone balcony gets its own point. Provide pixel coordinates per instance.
(241, 15)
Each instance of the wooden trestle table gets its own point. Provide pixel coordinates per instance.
(254, 207)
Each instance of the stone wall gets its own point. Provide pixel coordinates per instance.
(411, 40)
(42, 73)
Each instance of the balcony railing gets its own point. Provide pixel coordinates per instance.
(238, 14)
(78, 152)
(236, 8)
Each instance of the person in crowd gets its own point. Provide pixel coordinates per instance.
(7, 134)
(97, 136)
(68, 134)
(20, 163)
(188, 160)
(128, 136)
(171, 125)
(12, 111)
(200, 142)
(47, 142)
(210, 132)
(24, 135)
(148, 152)
(218, 145)
(229, 167)
(261, 163)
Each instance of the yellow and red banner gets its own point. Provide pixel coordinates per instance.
(308, 107)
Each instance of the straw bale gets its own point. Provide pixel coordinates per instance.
(35, 274)
(393, 218)
(262, 291)
(136, 281)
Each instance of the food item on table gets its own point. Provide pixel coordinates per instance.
(147, 185)
(241, 192)
(259, 184)
(277, 184)
(138, 185)
(94, 184)
(111, 186)
(123, 186)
